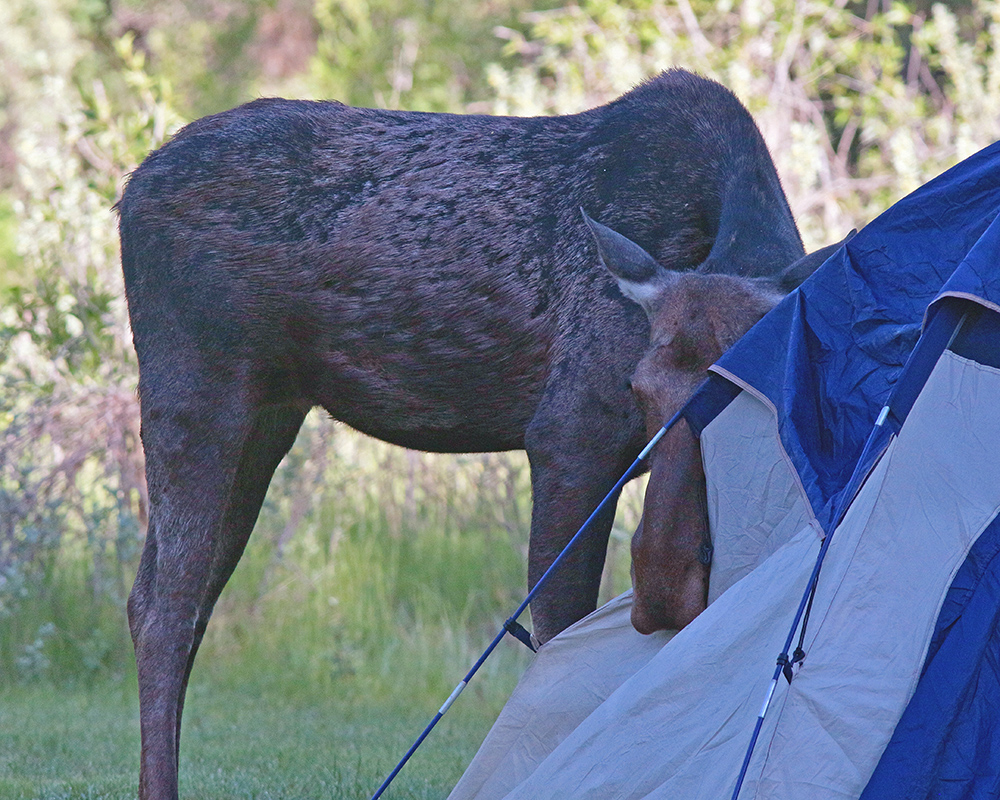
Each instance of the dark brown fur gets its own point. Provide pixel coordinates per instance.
(427, 279)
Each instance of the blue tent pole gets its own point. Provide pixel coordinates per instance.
(511, 625)
(783, 658)
(942, 327)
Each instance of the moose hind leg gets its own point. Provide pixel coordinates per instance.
(207, 471)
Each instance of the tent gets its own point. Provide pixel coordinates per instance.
(866, 406)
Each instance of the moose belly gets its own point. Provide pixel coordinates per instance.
(452, 378)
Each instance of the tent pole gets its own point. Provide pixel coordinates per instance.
(938, 335)
(511, 625)
(783, 660)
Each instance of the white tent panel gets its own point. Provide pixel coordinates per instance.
(605, 713)
(570, 677)
(691, 704)
(751, 512)
(883, 583)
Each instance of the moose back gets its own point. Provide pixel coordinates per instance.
(427, 279)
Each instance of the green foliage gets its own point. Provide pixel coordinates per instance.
(210, 49)
(71, 489)
(69, 534)
(63, 319)
(857, 111)
(411, 54)
(366, 556)
(10, 266)
(394, 557)
(375, 575)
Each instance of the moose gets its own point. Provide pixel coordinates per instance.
(694, 318)
(428, 280)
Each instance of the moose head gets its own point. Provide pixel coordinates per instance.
(694, 318)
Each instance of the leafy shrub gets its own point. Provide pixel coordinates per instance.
(856, 110)
(71, 486)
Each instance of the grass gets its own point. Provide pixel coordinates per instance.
(374, 579)
(246, 741)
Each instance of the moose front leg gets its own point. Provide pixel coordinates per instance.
(560, 508)
(576, 459)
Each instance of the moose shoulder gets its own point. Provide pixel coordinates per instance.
(694, 318)
(427, 279)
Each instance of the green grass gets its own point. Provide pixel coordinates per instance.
(318, 671)
(374, 579)
(239, 741)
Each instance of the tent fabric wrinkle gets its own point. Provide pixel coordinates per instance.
(556, 693)
(947, 743)
(898, 695)
(657, 722)
(762, 508)
(879, 570)
(831, 352)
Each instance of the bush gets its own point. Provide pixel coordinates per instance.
(71, 486)
(856, 110)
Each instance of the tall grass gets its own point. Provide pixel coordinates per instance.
(376, 570)
(374, 579)
(372, 571)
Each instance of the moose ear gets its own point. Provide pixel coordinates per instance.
(639, 276)
(796, 272)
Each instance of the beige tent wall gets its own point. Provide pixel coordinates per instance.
(605, 713)
(760, 510)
